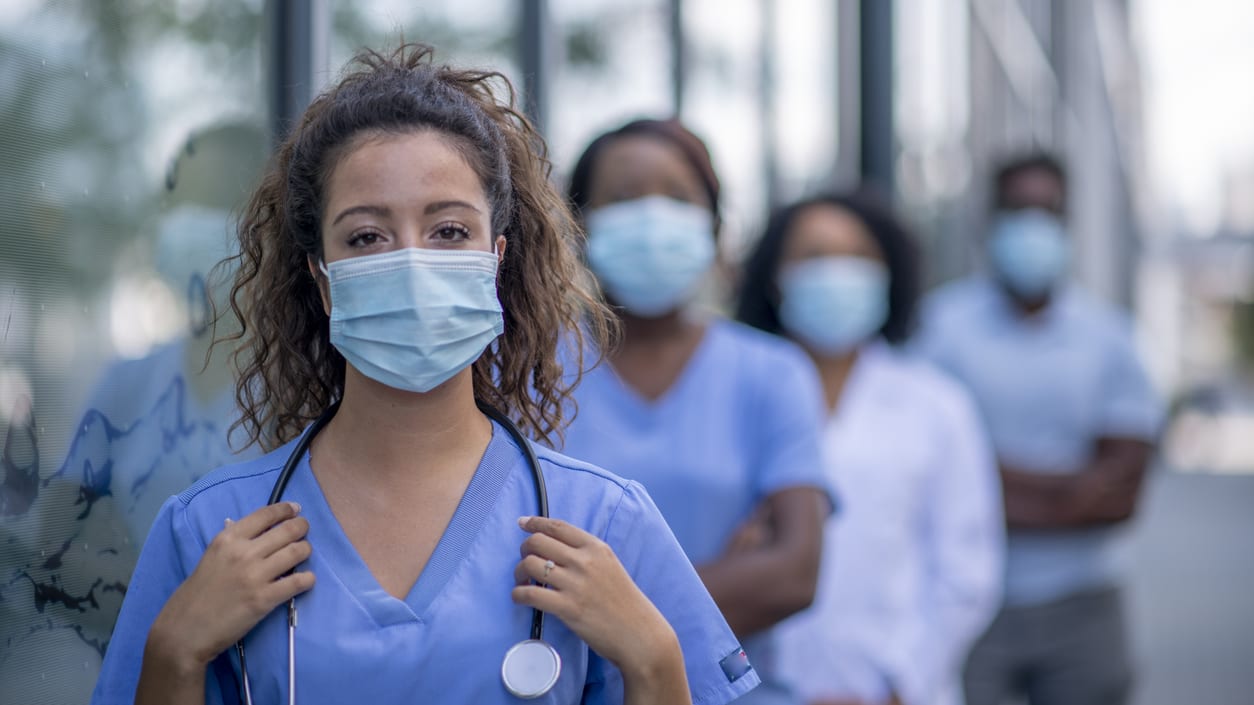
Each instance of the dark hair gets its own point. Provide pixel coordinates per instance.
(288, 370)
(758, 303)
(1033, 161)
(670, 131)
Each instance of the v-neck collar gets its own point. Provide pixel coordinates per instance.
(692, 368)
(341, 557)
(855, 387)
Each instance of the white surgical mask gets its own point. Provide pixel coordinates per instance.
(834, 304)
(191, 241)
(413, 318)
(1029, 251)
(650, 253)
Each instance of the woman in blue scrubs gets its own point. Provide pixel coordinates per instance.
(912, 566)
(718, 421)
(406, 256)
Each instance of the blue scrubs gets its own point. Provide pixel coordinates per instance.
(742, 421)
(445, 641)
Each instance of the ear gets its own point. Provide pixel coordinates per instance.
(322, 283)
(500, 243)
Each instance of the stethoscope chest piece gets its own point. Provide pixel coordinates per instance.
(530, 669)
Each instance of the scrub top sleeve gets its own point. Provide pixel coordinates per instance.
(717, 670)
(787, 427)
(170, 552)
(1130, 407)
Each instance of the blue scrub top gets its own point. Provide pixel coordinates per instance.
(742, 421)
(445, 641)
(1048, 386)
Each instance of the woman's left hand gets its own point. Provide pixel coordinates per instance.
(583, 583)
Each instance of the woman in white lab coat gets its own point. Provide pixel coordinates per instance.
(912, 562)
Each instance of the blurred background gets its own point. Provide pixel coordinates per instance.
(130, 130)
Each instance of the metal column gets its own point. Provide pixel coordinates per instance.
(847, 171)
(298, 34)
(767, 105)
(679, 59)
(875, 49)
(533, 54)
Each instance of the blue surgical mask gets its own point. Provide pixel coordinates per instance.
(834, 304)
(1029, 251)
(650, 253)
(413, 318)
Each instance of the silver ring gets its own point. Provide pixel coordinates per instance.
(549, 565)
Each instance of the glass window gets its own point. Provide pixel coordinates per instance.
(722, 104)
(131, 132)
(932, 115)
(806, 104)
(615, 66)
(474, 33)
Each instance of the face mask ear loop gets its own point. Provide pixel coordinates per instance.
(322, 267)
(500, 260)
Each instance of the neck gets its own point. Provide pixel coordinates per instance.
(834, 374)
(1030, 306)
(667, 327)
(391, 432)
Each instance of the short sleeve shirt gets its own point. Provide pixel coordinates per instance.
(446, 640)
(1048, 386)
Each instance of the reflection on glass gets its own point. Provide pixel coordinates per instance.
(130, 134)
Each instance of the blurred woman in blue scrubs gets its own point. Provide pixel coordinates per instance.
(718, 421)
(912, 565)
(406, 257)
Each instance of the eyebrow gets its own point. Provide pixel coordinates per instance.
(384, 212)
(381, 211)
(446, 205)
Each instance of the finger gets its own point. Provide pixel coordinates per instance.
(287, 558)
(254, 524)
(537, 569)
(741, 542)
(282, 534)
(287, 587)
(546, 546)
(541, 598)
(558, 529)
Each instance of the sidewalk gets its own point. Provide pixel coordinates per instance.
(1192, 594)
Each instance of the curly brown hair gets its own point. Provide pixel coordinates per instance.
(288, 370)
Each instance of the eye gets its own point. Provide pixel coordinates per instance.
(363, 238)
(451, 232)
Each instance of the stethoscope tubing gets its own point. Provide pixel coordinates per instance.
(285, 476)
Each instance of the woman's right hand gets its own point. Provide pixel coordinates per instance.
(241, 578)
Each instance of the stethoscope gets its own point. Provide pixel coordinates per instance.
(529, 669)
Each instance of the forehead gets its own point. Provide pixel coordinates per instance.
(1033, 187)
(402, 167)
(644, 161)
(825, 229)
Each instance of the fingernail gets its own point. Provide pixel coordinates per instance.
(522, 521)
(295, 506)
(228, 522)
